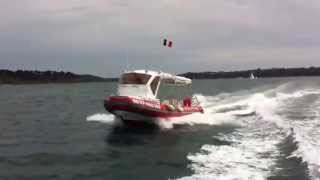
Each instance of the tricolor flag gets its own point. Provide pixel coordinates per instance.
(167, 43)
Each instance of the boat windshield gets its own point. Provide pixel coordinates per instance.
(154, 84)
(169, 92)
(134, 78)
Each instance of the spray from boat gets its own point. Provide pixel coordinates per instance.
(253, 154)
(254, 114)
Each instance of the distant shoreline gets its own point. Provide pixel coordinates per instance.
(46, 77)
(260, 73)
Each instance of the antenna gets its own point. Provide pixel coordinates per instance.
(127, 60)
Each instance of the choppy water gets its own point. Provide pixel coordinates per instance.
(251, 129)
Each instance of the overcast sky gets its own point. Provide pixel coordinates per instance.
(94, 36)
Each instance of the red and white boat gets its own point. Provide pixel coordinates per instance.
(137, 98)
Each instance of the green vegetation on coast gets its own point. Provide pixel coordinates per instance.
(35, 77)
(261, 73)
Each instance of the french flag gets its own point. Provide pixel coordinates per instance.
(167, 43)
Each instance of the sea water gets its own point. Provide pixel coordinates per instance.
(251, 129)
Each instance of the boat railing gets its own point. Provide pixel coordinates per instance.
(178, 103)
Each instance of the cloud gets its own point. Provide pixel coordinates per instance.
(95, 36)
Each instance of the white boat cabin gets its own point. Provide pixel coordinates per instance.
(145, 83)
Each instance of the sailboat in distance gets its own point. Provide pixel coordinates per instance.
(252, 76)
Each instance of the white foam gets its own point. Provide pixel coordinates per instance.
(227, 111)
(101, 117)
(304, 131)
(208, 117)
(308, 149)
(225, 108)
(307, 136)
(241, 160)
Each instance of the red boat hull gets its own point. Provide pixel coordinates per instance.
(147, 110)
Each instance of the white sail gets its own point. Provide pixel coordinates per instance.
(252, 76)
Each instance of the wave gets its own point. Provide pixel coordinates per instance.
(307, 137)
(266, 126)
(218, 110)
(243, 160)
(264, 121)
(248, 157)
(304, 128)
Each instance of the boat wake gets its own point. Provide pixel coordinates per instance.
(266, 119)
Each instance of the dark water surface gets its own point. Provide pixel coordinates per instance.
(252, 129)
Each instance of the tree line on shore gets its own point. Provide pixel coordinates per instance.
(261, 73)
(26, 76)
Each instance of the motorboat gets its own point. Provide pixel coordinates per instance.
(137, 99)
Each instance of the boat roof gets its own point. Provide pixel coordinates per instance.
(165, 77)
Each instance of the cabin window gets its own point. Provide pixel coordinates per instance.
(154, 84)
(135, 78)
